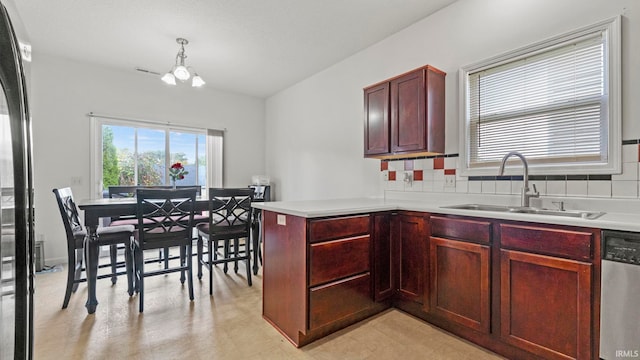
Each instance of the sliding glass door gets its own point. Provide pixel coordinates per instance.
(139, 153)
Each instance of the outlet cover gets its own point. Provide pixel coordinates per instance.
(449, 181)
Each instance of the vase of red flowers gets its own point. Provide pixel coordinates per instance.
(177, 172)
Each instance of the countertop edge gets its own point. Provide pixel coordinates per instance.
(328, 208)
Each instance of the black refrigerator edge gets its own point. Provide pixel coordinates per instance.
(16, 203)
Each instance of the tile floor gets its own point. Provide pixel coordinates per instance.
(227, 325)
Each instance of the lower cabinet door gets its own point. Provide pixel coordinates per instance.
(460, 286)
(383, 262)
(412, 236)
(337, 300)
(546, 305)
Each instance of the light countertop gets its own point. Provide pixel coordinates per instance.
(618, 219)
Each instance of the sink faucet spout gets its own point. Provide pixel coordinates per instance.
(525, 195)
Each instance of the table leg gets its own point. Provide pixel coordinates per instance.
(91, 249)
(255, 237)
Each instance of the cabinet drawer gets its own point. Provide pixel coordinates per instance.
(336, 259)
(334, 301)
(462, 229)
(569, 243)
(335, 228)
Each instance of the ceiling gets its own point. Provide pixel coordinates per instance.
(254, 47)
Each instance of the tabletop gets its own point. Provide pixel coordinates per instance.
(94, 209)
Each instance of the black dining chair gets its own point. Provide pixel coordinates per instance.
(262, 193)
(165, 219)
(122, 192)
(76, 234)
(129, 191)
(229, 219)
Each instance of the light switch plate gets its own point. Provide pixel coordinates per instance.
(281, 219)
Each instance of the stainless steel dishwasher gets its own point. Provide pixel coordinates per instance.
(620, 296)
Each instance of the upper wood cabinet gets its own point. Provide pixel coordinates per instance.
(376, 120)
(405, 115)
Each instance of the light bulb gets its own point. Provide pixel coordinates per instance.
(168, 78)
(197, 81)
(181, 72)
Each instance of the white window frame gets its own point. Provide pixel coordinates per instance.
(214, 148)
(612, 117)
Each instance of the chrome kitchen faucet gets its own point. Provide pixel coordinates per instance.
(525, 196)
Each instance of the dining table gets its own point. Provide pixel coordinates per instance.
(95, 209)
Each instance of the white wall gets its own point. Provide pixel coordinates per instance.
(63, 92)
(314, 129)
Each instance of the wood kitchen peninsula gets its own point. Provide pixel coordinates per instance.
(331, 263)
(307, 265)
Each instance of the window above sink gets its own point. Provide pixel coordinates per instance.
(557, 102)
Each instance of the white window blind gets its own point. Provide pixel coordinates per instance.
(550, 103)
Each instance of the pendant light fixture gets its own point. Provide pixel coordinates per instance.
(180, 71)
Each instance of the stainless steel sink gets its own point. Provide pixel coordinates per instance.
(590, 215)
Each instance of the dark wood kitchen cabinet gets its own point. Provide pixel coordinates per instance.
(339, 269)
(376, 120)
(384, 262)
(547, 287)
(401, 256)
(412, 234)
(524, 290)
(316, 274)
(405, 115)
(459, 272)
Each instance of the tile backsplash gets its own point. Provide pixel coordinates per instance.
(440, 174)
